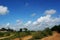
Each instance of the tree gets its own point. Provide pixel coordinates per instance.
(9, 29)
(56, 28)
(47, 31)
(20, 30)
(3, 29)
(25, 29)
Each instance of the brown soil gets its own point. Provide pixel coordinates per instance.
(16, 39)
(55, 36)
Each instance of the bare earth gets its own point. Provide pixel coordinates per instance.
(16, 39)
(55, 36)
(24, 38)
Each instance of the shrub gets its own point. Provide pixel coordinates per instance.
(7, 34)
(56, 28)
(36, 35)
(1, 34)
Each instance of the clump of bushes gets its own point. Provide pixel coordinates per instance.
(22, 34)
(1, 34)
(36, 35)
(46, 32)
(56, 28)
(6, 39)
(7, 34)
(42, 34)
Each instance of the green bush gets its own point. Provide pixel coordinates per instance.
(36, 35)
(22, 34)
(47, 32)
(1, 34)
(7, 34)
(42, 34)
(56, 28)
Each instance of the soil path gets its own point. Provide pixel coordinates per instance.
(6, 36)
(24, 38)
(55, 36)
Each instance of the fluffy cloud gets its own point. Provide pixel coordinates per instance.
(42, 19)
(28, 23)
(40, 23)
(46, 21)
(3, 10)
(51, 11)
(19, 22)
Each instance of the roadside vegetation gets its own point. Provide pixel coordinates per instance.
(25, 32)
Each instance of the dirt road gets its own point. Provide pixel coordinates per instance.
(24, 38)
(55, 36)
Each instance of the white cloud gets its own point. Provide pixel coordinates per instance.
(3, 10)
(35, 23)
(19, 22)
(40, 23)
(46, 21)
(28, 23)
(51, 11)
(45, 18)
(42, 19)
(34, 14)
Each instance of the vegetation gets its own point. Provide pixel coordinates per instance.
(42, 34)
(56, 28)
(24, 32)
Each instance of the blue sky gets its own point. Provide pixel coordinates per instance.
(28, 10)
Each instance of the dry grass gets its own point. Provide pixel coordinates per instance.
(23, 38)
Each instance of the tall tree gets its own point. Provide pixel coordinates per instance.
(20, 30)
(25, 29)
